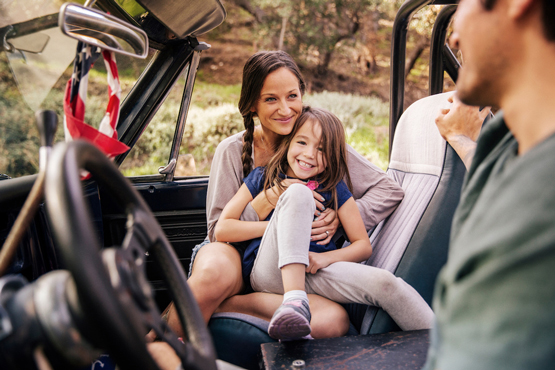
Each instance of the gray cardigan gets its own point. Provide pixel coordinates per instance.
(376, 194)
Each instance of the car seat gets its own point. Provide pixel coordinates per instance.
(412, 242)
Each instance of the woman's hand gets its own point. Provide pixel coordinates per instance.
(317, 261)
(324, 227)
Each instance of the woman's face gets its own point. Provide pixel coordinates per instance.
(280, 102)
(305, 157)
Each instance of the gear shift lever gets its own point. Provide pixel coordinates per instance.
(47, 122)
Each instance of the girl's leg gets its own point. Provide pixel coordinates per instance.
(285, 242)
(282, 259)
(347, 282)
(216, 276)
(329, 319)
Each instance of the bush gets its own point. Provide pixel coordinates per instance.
(365, 119)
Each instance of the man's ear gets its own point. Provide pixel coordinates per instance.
(519, 8)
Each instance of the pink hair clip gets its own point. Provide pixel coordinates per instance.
(312, 185)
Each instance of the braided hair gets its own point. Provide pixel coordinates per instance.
(257, 68)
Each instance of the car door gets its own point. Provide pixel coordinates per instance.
(153, 122)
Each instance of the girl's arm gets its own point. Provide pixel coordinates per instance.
(360, 248)
(266, 201)
(230, 228)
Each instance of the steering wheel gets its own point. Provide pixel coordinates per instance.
(113, 293)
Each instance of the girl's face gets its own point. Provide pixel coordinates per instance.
(305, 156)
(280, 102)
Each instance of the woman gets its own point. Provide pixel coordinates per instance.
(272, 91)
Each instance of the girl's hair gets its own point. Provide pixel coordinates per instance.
(334, 151)
(257, 68)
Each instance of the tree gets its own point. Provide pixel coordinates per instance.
(316, 27)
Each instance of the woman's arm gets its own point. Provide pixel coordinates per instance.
(376, 194)
(230, 228)
(360, 248)
(226, 177)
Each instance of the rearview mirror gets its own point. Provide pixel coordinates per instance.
(96, 28)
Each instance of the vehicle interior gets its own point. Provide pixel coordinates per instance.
(87, 266)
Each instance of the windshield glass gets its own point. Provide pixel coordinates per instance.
(34, 70)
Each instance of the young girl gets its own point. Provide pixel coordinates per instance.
(286, 261)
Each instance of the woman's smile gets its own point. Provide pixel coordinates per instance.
(280, 102)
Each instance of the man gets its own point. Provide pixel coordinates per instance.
(495, 297)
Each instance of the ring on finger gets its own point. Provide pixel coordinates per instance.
(327, 233)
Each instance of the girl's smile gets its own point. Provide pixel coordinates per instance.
(304, 156)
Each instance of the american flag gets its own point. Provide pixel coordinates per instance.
(106, 137)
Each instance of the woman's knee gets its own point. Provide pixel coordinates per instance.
(218, 266)
(329, 319)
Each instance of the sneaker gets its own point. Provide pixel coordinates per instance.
(291, 320)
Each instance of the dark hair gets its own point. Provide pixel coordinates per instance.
(334, 152)
(257, 68)
(548, 16)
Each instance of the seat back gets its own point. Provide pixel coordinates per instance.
(413, 241)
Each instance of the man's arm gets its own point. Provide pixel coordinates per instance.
(460, 125)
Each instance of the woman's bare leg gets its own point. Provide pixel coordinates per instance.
(329, 319)
(216, 276)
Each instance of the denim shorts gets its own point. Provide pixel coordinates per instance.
(194, 254)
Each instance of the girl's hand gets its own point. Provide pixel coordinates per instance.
(317, 261)
(327, 221)
(275, 192)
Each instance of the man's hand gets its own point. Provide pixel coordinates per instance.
(460, 125)
(460, 120)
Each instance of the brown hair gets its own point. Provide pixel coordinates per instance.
(257, 68)
(548, 16)
(334, 152)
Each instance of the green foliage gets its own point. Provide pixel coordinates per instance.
(206, 94)
(18, 134)
(365, 119)
(315, 28)
(206, 128)
(216, 118)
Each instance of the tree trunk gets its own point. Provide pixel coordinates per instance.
(411, 61)
(282, 33)
(325, 63)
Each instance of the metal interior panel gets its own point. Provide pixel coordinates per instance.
(187, 18)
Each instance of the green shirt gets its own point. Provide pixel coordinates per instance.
(495, 297)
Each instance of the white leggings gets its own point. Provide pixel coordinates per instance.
(287, 240)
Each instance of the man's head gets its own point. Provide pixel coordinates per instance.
(548, 18)
(494, 37)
